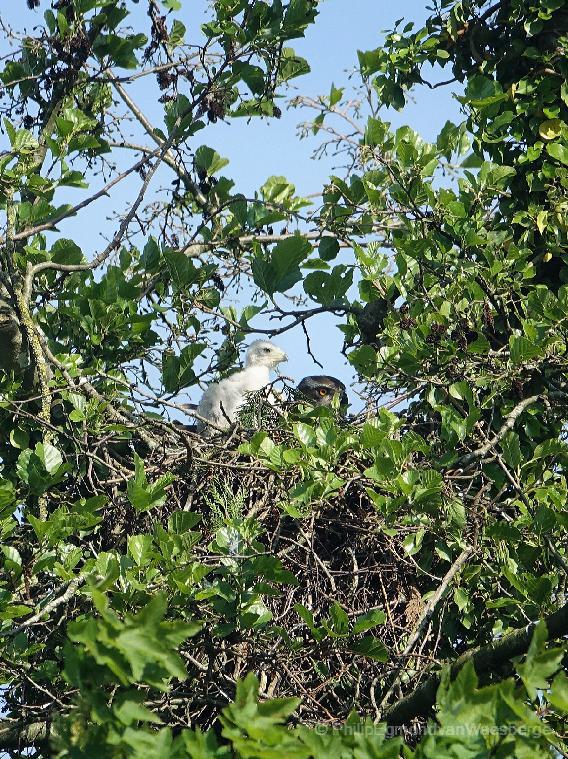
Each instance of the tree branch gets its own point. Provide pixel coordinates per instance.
(484, 658)
(168, 157)
(15, 735)
(70, 591)
(25, 233)
(428, 611)
(510, 420)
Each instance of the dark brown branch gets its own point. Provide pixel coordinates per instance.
(485, 659)
(25, 233)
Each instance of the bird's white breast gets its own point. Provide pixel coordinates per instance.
(251, 379)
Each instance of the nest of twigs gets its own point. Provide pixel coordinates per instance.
(339, 553)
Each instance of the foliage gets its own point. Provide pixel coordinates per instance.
(294, 587)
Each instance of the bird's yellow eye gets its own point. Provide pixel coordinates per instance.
(322, 391)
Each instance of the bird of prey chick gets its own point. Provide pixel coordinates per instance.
(221, 401)
(321, 389)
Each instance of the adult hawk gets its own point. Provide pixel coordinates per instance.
(321, 389)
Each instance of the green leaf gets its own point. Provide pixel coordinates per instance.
(253, 76)
(558, 696)
(338, 624)
(49, 456)
(21, 140)
(177, 34)
(130, 711)
(511, 449)
(182, 269)
(541, 220)
(7, 494)
(66, 252)
(19, 438)
(119, 49)
(540, 663)
(170, 371)
(13, 559)
(141, 494)
(307, 617)
(369, 620)
(550, 129)
(14, 611)
(292, 65)
(183, 521)
(522, 349)
(375, 132)
(329, 288)
(335, 95)
(279, 271)
(305, 434)
(140, 548)
(412, 543)
(372, 648)
(208, 161)
(328, 248)
(558, 151)
(482, 91)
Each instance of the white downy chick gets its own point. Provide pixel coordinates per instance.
(222, 400)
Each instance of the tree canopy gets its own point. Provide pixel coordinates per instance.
(308, 584)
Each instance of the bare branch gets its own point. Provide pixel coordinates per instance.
(427, 612)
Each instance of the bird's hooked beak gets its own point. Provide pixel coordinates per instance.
(282, 358)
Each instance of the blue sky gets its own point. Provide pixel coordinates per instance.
(260, 149)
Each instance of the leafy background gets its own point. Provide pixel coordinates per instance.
(307, 581)
(331, 47)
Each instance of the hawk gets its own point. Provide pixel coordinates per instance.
(221, 401)
(321, 389)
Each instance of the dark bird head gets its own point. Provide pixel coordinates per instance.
(320, 389)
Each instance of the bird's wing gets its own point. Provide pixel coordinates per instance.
(210, 405)
(221, 400)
